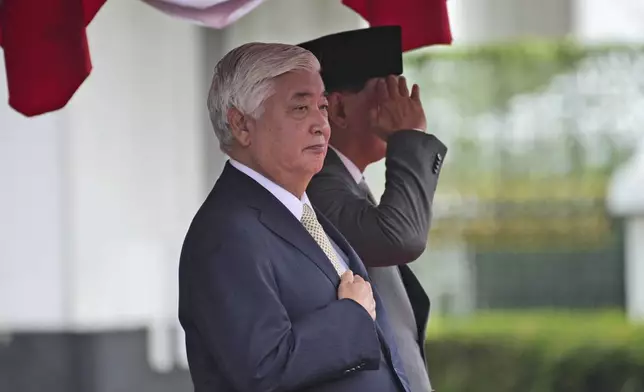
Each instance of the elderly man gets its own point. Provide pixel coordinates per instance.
(360, 69)
(271, 296)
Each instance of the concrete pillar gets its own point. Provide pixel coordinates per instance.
(480, 21)
(33, 219)
(96, 199)
(626, 200)
(609, 21)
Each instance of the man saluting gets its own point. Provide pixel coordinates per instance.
(373, 115)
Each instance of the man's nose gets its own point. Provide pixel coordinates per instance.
(321, 122)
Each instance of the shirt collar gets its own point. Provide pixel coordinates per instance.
(289, 200)
(351, 167)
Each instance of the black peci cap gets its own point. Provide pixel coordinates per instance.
(349, 59)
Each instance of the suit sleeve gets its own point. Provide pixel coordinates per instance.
(237, 311)
(394, 232)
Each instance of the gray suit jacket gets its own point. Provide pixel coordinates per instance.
(393, 233)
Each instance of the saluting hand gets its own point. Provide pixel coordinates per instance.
(394, 107)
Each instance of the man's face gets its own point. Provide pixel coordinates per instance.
(290, 137)
(357, 107)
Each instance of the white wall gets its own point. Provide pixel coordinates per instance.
(97, 197)
(293, 22)
(477, 21)
(135, 136)
(606, 21)
(32, 174)
(625, 200)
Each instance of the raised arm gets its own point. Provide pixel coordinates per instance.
(395, 231)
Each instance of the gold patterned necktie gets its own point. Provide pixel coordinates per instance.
(311, 224)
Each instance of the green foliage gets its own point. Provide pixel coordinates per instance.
(536, 352)
(504, 108)
(532, 127)
(495, 73)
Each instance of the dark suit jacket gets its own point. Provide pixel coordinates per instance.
(258, 303)
(394, 232)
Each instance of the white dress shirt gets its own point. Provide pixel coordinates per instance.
(290, 201)
(351, 167)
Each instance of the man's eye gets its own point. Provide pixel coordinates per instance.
(324, 107)
(301, 108)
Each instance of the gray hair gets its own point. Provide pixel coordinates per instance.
(243, 79)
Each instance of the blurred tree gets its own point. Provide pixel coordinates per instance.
(535, 130)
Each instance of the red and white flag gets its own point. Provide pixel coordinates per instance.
(47, 57)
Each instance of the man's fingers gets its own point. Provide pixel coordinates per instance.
(415, 93)
(357, 279)
(402, 86)
(381, 90)
(392, 86)
(347, 277)
(373, 114)
(371, 85)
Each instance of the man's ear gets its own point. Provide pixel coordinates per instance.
(238, 126)
(337, 112)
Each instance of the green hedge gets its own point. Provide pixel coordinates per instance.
(544, 352)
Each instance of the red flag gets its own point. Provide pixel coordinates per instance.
(423, 22)
(45, 51)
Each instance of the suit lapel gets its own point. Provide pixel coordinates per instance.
(334, 162)
(291, 230)
(367, 192)
(278, 219)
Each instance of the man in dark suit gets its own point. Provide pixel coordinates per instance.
(271, 296)
(356, 67)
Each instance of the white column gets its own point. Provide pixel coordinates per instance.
(32, 219)
(634, 271)
(479, 21)
(135, 171)
(96, 198)
(609, 21)
(293, 22)
(626, 200)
